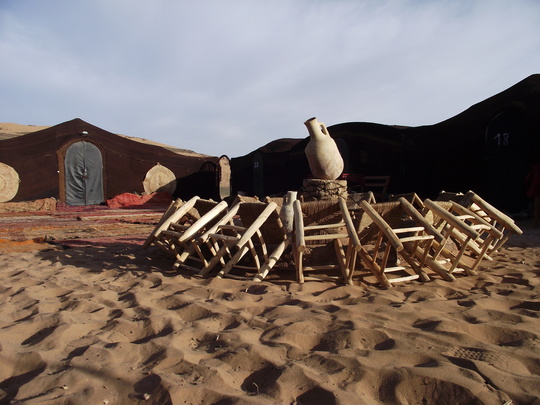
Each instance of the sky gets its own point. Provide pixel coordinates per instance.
(227, 77)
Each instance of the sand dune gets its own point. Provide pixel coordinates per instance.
(10, 130)
(108, 323)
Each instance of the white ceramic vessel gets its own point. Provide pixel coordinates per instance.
(325, 161)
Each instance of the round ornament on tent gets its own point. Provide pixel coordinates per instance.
(9, 182)
(159, 179)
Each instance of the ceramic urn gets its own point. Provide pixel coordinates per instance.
(322, 153)
(287, 213)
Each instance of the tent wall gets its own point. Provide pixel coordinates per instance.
(452, 155)
(272, 170)
(39, 160)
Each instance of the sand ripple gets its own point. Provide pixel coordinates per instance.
(113, 325)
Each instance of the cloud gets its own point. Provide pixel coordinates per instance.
(227, 77)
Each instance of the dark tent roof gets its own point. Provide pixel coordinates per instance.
(457, 154)
(489, 148)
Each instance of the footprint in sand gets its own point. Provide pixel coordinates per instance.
(172, 302)
(427, 325)
(318, 395)
(193, 312)
(288, 382)
(78, 306)
(331, 294)
(516, 278)
(402, 387)
(262, 380)
(528, 308)
(385, 345)
(466, 357)
(46, 329)
(211, 343)
(151, 389)
(25, 315)
(129, 298)
(501, 335)
(472, 353)
(466, 303)
(342, 369)
(21, 370)
(151, 335)
(122, 330)
(369, 338)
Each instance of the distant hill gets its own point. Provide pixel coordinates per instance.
(11, 130)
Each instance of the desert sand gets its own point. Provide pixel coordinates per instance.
(91, 318)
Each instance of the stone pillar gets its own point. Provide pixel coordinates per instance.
(317, 189)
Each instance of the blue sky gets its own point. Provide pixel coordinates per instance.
(226, 77)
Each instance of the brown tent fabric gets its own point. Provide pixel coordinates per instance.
(39, 159)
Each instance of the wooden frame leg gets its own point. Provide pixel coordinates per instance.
(272, 259)
(236, 258)
(340, 255)
(299, 268)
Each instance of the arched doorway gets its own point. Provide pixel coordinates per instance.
(506, 160)
(224, 177)
(83, 168)
(258, 175)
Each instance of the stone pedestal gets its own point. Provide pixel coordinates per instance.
(317, 189)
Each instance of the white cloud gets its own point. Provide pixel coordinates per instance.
(227, 77)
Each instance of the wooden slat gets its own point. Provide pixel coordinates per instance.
(326, 236)
(416, 238)
(412, 229)
(322, 227)
(299, 229)
(418, 218)
(451, 219)
(393, 269)
(381, 223)
(405, 278)
(198, 225)
(354, 241)
(495, 213)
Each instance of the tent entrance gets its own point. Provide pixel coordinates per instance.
(506, 161)
(83, 167)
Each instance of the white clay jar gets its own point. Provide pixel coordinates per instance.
(325, 161)
(287, 212)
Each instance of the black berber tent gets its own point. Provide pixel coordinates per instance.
(488, 148)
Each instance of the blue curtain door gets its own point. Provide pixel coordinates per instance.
(84, 174)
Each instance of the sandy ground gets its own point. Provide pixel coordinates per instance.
(93, 319)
